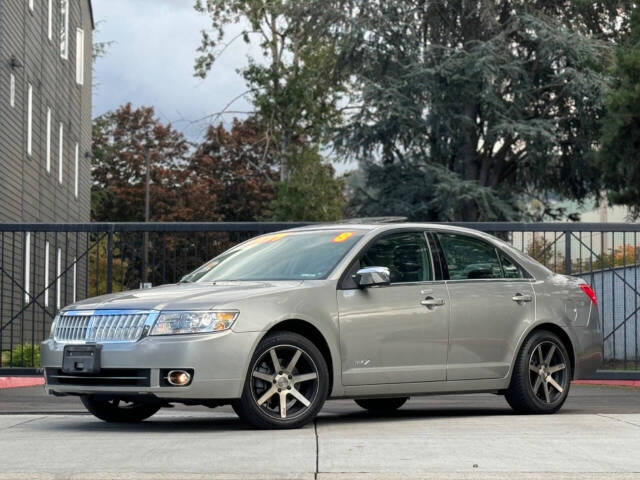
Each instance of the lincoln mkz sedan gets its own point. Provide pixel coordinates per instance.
(377, 313)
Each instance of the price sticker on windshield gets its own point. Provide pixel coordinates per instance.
(267, 239)
(342, 237)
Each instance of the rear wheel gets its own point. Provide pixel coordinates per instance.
(382, 405)
(117, 410)
(286, 385)
(541, 376)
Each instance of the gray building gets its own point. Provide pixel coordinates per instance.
(45, 144)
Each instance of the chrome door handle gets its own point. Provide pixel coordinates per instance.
(521, 298)
(432, 302)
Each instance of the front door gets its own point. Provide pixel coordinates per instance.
(396, 333)
(491, 302)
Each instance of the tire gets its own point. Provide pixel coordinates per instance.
(272, 378)
(541, 376)
(382, 405)
(115, 410)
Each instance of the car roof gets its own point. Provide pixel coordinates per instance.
(382, 226)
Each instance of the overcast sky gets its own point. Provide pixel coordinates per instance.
(150, 62)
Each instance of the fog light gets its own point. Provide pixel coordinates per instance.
(178, 378)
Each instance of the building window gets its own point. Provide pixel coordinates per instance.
(75, 278)
(12, 90)
(75, 171)
(46, 273)
(58, 274)
(50, 20)
(60, 151)
(80, 56)
(27, 266)
(29, 119)
(64, 29)
(48, 154)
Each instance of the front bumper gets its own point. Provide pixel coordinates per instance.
(219, 362)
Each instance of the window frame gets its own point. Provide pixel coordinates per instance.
(30, 120)
(60, 151)
(80, 56)
(64, 29)
(527, 277)
(48, 139)
(345, 282)
(76, 170)
(12, 90)
(50, 20)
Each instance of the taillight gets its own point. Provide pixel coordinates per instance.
(589, 292)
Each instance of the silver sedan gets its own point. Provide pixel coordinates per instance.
(378, 313)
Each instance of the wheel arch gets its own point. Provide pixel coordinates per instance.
(557, 330)
(311, 332)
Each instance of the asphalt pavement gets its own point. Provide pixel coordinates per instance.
(596, 435)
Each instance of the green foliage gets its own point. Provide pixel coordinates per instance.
(620, 146)
(294, 91)
(502, 95)
(25, 356)
(98, 267)
(311, 193)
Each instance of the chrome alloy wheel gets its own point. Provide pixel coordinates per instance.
(548, 372)
(284, 381)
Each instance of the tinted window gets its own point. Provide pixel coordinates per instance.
(510, 269)
(469, 258)
(279, 256)
(405, 255)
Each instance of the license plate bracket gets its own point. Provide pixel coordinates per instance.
(81, 358)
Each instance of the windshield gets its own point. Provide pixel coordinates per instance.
(309, 255)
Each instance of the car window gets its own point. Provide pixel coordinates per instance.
(469, 258)
(405, 254)
(305, 255)
(509, 268)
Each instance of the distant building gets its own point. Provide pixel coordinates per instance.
(45, 144)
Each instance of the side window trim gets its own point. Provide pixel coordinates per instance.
(441, 273)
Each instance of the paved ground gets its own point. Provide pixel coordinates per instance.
(596, 435)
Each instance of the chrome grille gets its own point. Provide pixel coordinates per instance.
(100, 327)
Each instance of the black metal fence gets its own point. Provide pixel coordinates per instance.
(44, 267)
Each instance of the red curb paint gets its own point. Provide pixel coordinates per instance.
(609, 383)
(17, 382)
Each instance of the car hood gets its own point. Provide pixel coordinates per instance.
(184, 296)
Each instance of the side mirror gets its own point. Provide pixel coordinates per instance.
(372, 276)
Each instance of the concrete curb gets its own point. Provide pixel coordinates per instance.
(20, 382)
(609, 383)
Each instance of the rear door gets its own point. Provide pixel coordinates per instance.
(387, 333)
(491, 302)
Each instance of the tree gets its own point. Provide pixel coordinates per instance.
(619, 155)
(311, 192)
(232, 174)
(294, 92)
(121, 141)
(497, 101)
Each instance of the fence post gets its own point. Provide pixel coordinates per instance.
(567, 253)
(109, 262)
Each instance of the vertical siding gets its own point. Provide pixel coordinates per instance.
(27, 192)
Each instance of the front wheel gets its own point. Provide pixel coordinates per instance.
(382, 405)
(541, 376)
(117, 410)
(287, 383)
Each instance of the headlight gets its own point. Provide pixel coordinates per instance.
(53, 325)
(175, 323)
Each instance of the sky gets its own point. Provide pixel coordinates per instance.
(150, 63)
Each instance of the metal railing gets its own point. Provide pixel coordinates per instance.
(44, 267)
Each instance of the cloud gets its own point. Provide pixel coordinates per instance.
(151, 62)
